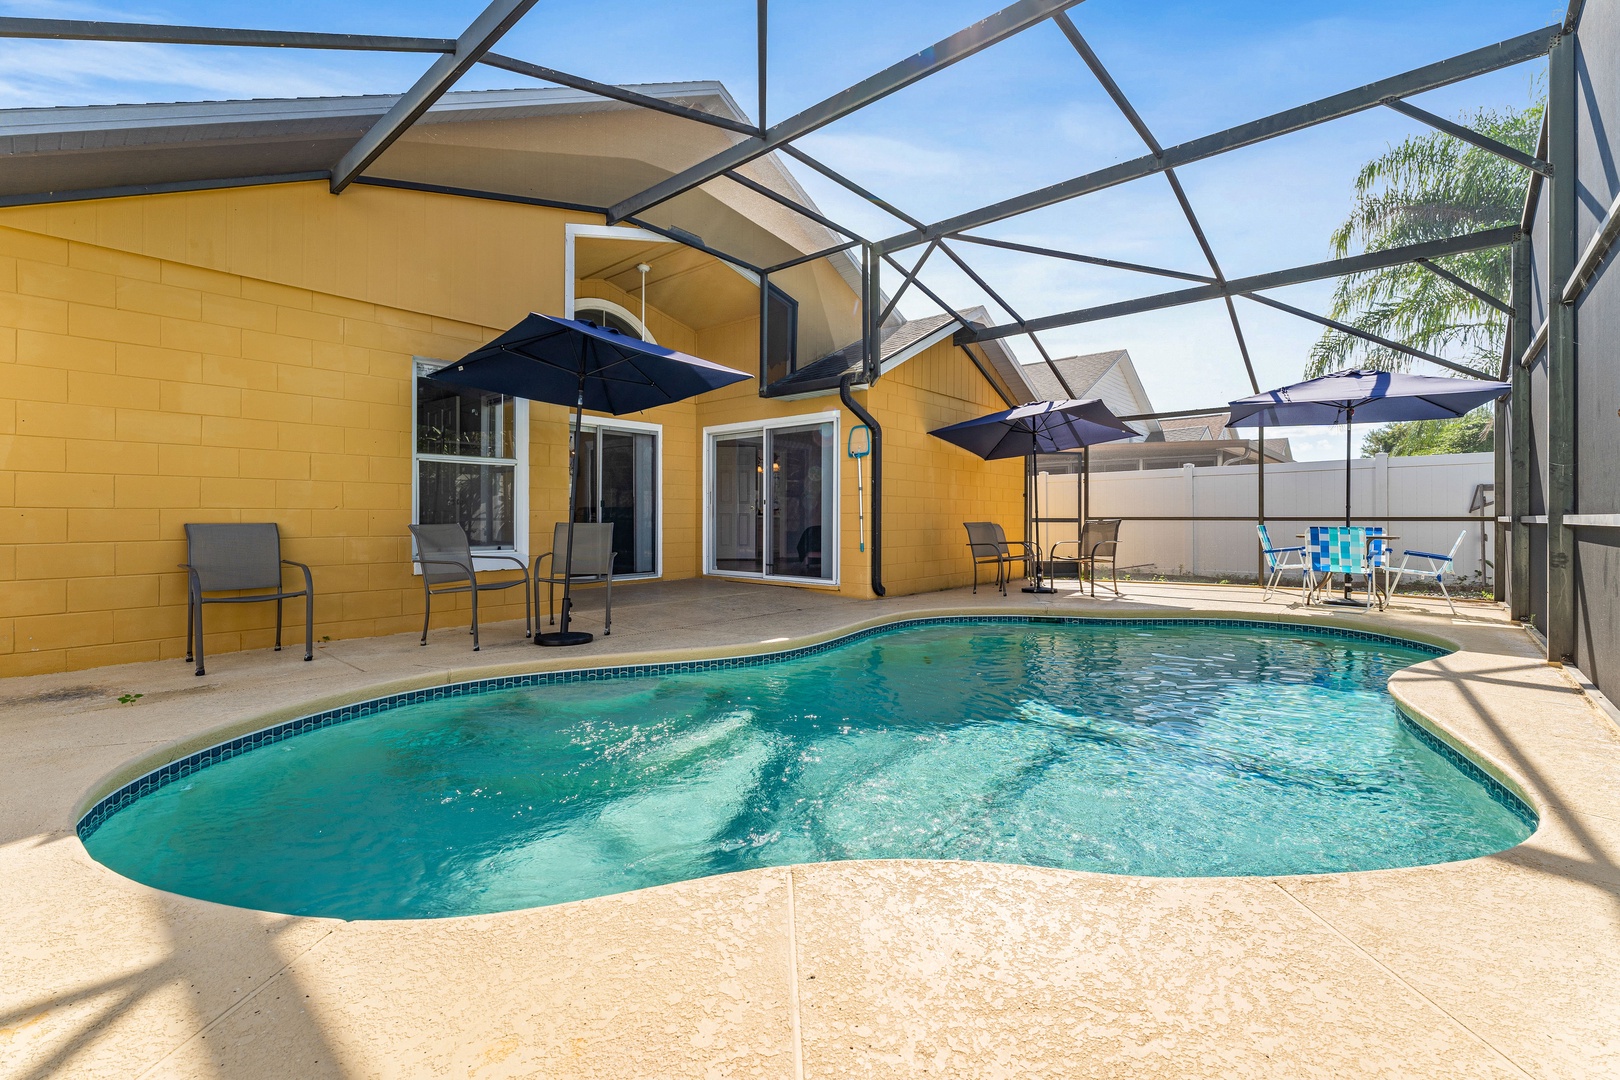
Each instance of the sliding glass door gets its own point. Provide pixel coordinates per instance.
(618, 483)
(772, 500)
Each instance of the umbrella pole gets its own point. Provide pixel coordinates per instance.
(566, 636)
(1349, 420)
(1035, 545)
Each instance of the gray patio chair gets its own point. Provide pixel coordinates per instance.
(1100, 543)
(235, 557)
(988, 543)
(445, 556)
(593, 565)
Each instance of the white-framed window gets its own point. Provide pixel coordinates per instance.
(770, 493)
(621, 480)
(469, 461)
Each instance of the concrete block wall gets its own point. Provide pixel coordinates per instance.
(248, 356)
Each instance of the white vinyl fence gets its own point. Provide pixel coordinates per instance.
(1393, 492)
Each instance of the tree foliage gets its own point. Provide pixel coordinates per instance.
(1429, 187)
(1470, 434)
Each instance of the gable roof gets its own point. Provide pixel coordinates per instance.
(1194, 428)
(1082, 373)
(1110, 376)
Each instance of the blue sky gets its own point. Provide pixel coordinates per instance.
(1015, 117)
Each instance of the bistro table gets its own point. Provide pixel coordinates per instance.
(1381, 593)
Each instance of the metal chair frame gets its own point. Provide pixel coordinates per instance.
(436, 548)
(1099, 533)
(205, 574)
(586, 532)
(1439, 566)
(1278, 563)
(987, 543)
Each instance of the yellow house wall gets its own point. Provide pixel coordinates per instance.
(243, 356)
(931, 487)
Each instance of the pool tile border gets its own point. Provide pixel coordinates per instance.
(1499, 792)
(158, 778)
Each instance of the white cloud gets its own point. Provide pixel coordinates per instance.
(43, 74)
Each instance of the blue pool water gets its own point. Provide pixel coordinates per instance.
(1159, 750)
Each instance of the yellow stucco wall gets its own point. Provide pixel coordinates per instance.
(246, 355)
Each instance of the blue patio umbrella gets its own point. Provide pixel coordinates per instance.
(1041, 427)
(568, 362)
(1373, 397)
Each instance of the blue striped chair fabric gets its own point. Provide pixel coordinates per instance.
(1353, 549)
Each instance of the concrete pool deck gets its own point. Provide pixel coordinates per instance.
(1502, 966)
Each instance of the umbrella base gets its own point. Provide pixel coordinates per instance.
(1039, 588)
(564, 637)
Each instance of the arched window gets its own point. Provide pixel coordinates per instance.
(614, 316)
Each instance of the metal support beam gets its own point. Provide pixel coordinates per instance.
(1173, 414)
(972, 350)
(871, 299)
(1592, 258)
(762, 24)
(1371, 260)
(474, 42)
(1068, 391)
(1091, 260)
(1469, 135)
(1563, 214)
(908, 279)
(166, 188)
(764, 332)
(1465, 285)
(1083, 47)
(1003, 24)
(81, 30)
(851, 186)
(1538, 342)
(1346, 328)
(923, 288)
(1429, 77)
(1501, 425)
(812, 257)
(782, 200)
(615, 93)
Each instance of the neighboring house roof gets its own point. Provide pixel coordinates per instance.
(1109, 375)
(1194, 428)
(1082, 373)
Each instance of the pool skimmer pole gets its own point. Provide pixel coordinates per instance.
(859, 448)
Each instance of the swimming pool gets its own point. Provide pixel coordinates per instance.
(1162, 748)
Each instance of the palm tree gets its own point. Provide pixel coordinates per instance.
(1428, 187)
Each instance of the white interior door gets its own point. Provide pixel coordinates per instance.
(737, 502)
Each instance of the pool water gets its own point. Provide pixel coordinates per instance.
(1156, 750)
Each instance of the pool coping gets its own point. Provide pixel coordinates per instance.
(164, 765)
